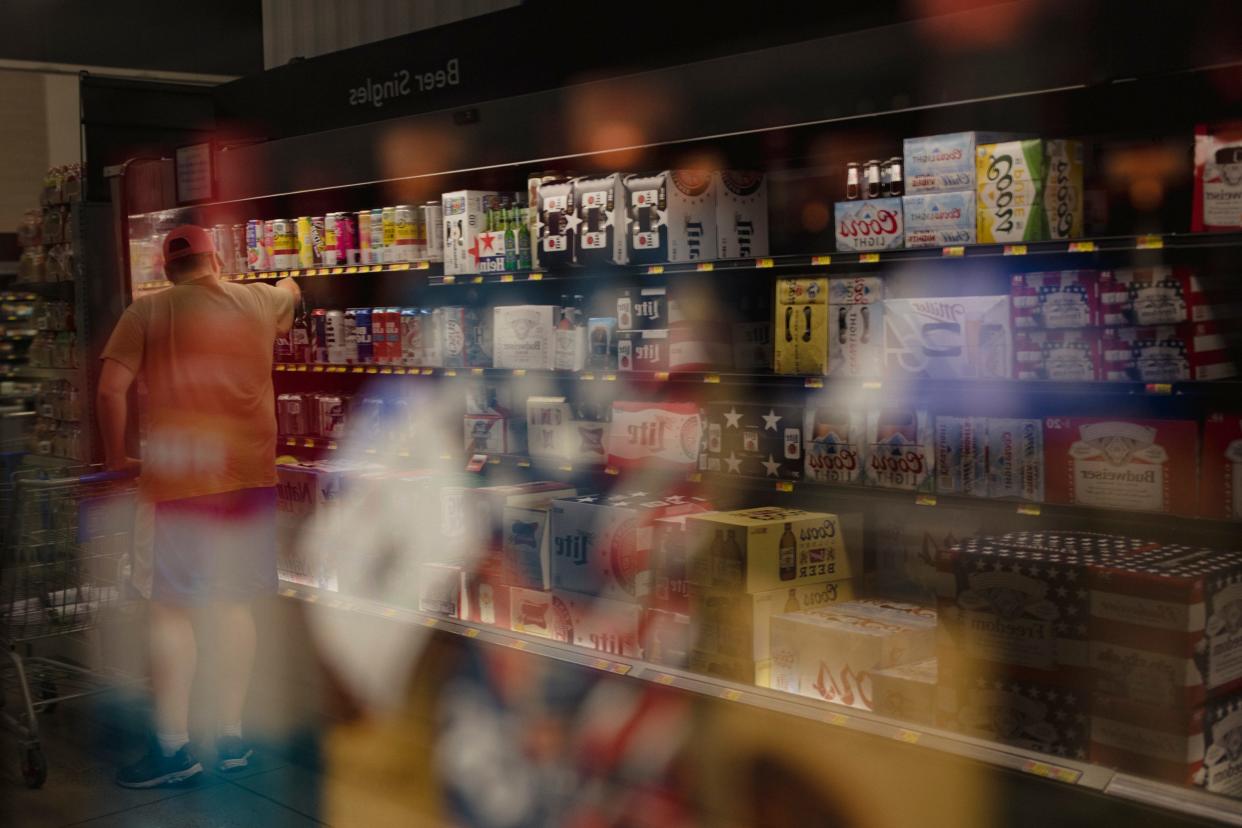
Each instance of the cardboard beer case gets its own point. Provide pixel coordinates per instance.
(1063, 188)
(800, 327)
(487, 596)
(1171, 353)
(754, 440)
(655, 435)
(939, 219)
(741, 213)
(1063, 355)
(642, 309)
(1010, 191)
(871, 224)
(559, 431)
(835, 442)
(899, 450)
(743, 670)
(906, 692)
(670, 557)
(954, 337)
(441, 589)
(525, 552)
(465, 219)
(557, 223)
(304, 491)
(697, 340)
(599, 237)
(1015, 459)
(855, 327)
(961, 456)
(522, 336)
(671, 217)
(738, 625)
(540, 613)
(1057, 299)
(643, 351)
(1217, 205)
(667, 637)
(482, 509)
(940, 163)
(1220, 468)
(1165, 296)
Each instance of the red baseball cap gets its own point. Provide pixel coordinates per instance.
(187, 240)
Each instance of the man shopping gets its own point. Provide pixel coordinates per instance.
(203, 349)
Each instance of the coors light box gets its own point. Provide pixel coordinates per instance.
(870, 224)
(835, 442)
(1142, 465)
(899, 450)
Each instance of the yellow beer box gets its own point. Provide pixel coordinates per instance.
(1063, 188)
(800, 330)
(736, 624)
(1010, 190)
(756, 550)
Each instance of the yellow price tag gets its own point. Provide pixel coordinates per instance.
(1151, 242)
(836, 719)
(599, 664)
(619, 669)
(519, 372)
(1031, 509)
(612, 470)
(910, 737)
(517, 644)
(401, 266)
(711, 379)
(426, 372)
(284, 274)
(471, 632)
(784, 486)
(653, 270)
(372, 370)
(587, 376)
(423, 266)
(431, 622)
(535, 277)
(610, 377)
(925, 500)
(280, 367)
(661, 376)
(868, 258)
(289, 441)
(1015, 250)
(1081, 247)
(1161, 388)
(954, 252)
(664, 678)
(357, 369)
(337, 271)
(566, 467)
(821, 261)
(523, 464)
(506, 277)
(308, 443)
(872, 385)
(764, 263)
(449, 372)
(385, 370)
(351, 269)
(399, 371)
(731, 695)
(704, 267)
(478, 280)
(814, 382)
(311, 272)
(448, 280)
(476, 371)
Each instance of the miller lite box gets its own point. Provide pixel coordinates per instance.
(557, 221)
(642, 309)
(1164, 296)
(1059, 299)
(1199, 746)
(601, 544)
(671, 217)
(831, 652)
(941, 163)
(1063, 188)
(738, 625)
(961, 456)
(525, 558)
(954, 337)
(522, 336)
(754, 440)
(482, 509)
(465, 219)
(1066, 355)
(1167, 625)
(1218, 179)
(900, 450)
(670, 580)
(1171, 353)
(870, 224)
(610, 627)
(441, 589)
(906, 692)
(1139, 465)
(600, 234)
(765, 548)
(1220, 482)
(1015, 459)
(642, 351)
(855, 327)
(741, 214)
(800, 327)
(655, 435)
(835, 444)
(1010, 191)
(667, 637)
(1032, 711)
(939, 219)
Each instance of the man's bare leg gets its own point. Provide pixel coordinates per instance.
(174, 657)
(235, 644)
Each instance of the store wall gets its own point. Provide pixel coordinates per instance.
(23, 144)
(307, 28)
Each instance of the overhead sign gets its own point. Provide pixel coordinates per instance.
(403, 83)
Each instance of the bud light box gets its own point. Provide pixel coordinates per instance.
(870, 224)
(601, 544)
(557, 223)
(754, 440)
(855, 327)
(941, 163)
(955, 337)
(465, 218)
(834, 438)
(738, 625)
(741, 214)
(671, 217)
(655, 435)
(1220, 482)
(1010, 206)
(939, 219)
(599, 237)
(899, 450)
(756, 550)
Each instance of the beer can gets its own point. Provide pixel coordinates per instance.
(319, 335)
(871, 178)
(339, 338)
(222, 241)
(388, 219)
(284, 244)
(346, 239)
(377, 236)
(332, 416)
(306, 245)
(240, 249)
(310, 405)
(379, 335)
(363, 338)
(317, 238)
(364, 237)
(291, 415)
(420, 234)
(269, 245)
(256, 250)
(392, 334)
(410, 337)
(366, 418)
(330, 244)
(403, 233)
(433, 217)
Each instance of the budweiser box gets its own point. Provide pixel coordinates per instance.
(601, 544)
(1217, 205)
(870, 224)
(667, 638)
(832, 652)
(441, 589)
(754, 440)
(1059, 299)
(643, 351)
(1165, 625)
(671, 217)
(1015, 459)
(1164, 296)
(939, 163)
(1171, 353)
(561, 432)
(655, 435)
(522, 336)
(906, 692)
(961, 456)
(1063, 188)
(642, 309)
(1220, 469)
(482, 509)
(855, 325)
(955, 337)
(670, 580)
(1010, 191)
(600, 234)
(899, 448)
(835, 442)
(1026, 712)
(738, 624)
(1142, 465)
(1063, 355)
(1188, 746)
(557, 220)
(465, 218)
(801, 326)
(526, 561)
(743, 670)
(756, 550)
(741, 214)
(939, 219)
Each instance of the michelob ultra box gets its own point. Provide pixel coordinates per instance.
(754, 440)
(952, 337)
(600, 234)
(1063, 188)
(939, 219)
(671, 217)
(870, 224)
(465, 218)
(655, 435)
(800, 329)
(900, 451)
(856, 326)
(741, 214)
(942, 163)
(1010, 192)
(1220, 481)
(1142, 465)
(756, 550)
(835, 442)
(1016, 459)
(961, 455)
(738, 624)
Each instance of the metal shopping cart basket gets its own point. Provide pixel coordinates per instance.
(63, 545)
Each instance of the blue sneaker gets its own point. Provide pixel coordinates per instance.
(156, 769)
(232, 754)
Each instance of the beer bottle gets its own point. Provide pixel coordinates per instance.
(791, 603)
(788, 554)
(522, 231)
(509, 220)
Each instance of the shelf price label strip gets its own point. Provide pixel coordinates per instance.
(1067, 775)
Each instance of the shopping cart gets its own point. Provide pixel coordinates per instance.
(64, 543)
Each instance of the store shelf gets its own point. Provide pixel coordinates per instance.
(47, 373)
(343, 270)
(1063, 770)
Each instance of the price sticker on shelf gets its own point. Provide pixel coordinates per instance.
(764, 263)
(910, 737)
(565, 467)
(385, 370)
(704, 267)
(954, 252)
(427, 372)
(836, 719)
(711, 379)
(868, 258)
(401, 266)
(821, 261)
(494, 461)
(523, 464)
(813, 382)
(289, 441)
(308, 443)
(284, 274)
(600, 664)
(449, 372)
(399, 371)
(619, 669)
(317, 369)
(478, 372)
(332, 445)
(731, 695)
(311, 272)
(357, 369)
(337, 271)
(534, 277)
(351, 269)
(655, 270)
(423, 266)
(280, 367)
(519, 372)
(476, 280)
(1150, 242)
(1081, 247)
(448, 280)
(610, 377)
(1160, 388)
(1031, 509)
(430, 622)
(660, 376)
(694, 477)
(517, 644)
(588, 376)
(784, 486)
(664, 678)
(872, 385)
(506, 277)
(470, 632)
(1015, 250)
(925, 500)
(1060, 774)
(372, 370)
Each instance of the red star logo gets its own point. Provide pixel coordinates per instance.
(488, 240)
(473, 250)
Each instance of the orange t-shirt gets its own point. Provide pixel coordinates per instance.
(204, 351)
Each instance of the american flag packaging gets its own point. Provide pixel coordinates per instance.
(655, 435)
(1063, 355)
(754, 440)
(1058, 299)
(1220, 481)
(1164, 296)
(1171, 353)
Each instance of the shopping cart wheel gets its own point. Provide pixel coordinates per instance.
(48, 690)
(34, 766)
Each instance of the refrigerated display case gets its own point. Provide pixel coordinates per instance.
(936, 452)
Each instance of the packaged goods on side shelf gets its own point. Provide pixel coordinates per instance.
(1218, 179)
(1220, 492)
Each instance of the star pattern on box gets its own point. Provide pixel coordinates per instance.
(773, 467)
(770, 420)
(732, 418)
(735, 463)
(588, 499)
